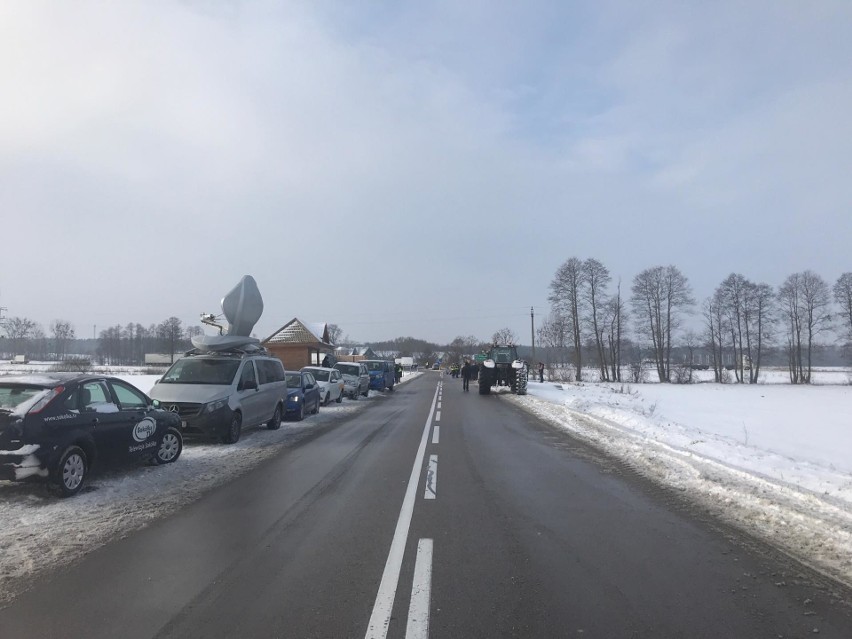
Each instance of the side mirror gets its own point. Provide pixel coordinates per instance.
(155, 403)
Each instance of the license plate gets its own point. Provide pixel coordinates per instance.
(182, 424)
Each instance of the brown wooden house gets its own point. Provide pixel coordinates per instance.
(300, 344)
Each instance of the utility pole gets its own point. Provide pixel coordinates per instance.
(532, 332)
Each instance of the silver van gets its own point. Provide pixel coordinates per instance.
(219, 393)
(356, 378)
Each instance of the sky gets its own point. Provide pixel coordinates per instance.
(411, 168)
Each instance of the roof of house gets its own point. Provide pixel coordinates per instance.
(298, 332)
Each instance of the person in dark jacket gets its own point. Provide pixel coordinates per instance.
(465, 373)
(541, 372)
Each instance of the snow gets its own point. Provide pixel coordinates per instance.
(41, 531)
(775, 460)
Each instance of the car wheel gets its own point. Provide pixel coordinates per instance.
(301, 414)
(366, 392)
(275, 422)
(170, 448)
(317, 407)
(234, 430)
(71, 471)
(339, 398)
(327, 399)
(354, 396)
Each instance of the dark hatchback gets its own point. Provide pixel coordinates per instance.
(55, 426)
(303, 394)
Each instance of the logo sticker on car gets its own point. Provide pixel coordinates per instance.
(144, 429)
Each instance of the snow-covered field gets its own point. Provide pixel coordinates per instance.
(775, 460)
(40, 531)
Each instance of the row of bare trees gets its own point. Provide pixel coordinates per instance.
(28, 337)
(582, 305)
(115, 345)
(741, 319)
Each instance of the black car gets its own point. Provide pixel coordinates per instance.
(55, 426)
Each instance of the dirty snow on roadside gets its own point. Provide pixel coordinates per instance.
(41, 531)
(775, 461)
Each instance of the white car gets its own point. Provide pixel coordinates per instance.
(330, 381)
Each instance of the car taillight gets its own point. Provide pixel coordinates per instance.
(41, 404)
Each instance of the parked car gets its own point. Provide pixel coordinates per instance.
(56, 426)
(220, 393)
(303, 394)
(381, 374)
(356, 379)
(330, 381)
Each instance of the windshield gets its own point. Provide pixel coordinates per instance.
(348, 369)
(202, 371)
(294, 380)
(375, 366)
(321, 375)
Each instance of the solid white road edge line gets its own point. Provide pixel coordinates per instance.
(421, 593)
(431, 478)
(377, 628)
(435, 434)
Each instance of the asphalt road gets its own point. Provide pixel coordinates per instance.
(508, 529)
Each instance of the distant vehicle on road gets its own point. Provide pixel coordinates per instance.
(56, 426)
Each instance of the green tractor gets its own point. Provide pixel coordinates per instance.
(501, 366)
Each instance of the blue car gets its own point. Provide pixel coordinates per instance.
(382, 374)
(303, 395)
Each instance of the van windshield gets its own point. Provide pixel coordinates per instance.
(375, 366)
(202, 371)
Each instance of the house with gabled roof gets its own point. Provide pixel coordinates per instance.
(354, 353)
(299, 343)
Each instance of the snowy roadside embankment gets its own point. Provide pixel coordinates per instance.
(773, 460)
(41, 531)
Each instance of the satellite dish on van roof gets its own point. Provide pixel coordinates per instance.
(242, 307)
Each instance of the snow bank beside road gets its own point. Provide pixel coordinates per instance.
(773, 461)
(41, 531)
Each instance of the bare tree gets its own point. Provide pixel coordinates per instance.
(843, 297)
(731, 295)
(714, 318)
(660, 296)
(552, 334)
(334, 333)
(759, 315)
(19, 330)
(567, 300)
(596, 278)
(504, 336)
(63, 333)
(804, 300)
(171, 332)
(614, 315)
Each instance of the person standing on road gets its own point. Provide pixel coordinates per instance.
(465, 373)
(541, 372)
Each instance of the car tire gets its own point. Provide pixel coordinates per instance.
(70, 472)
(234, 430)
(339, 398)
(327, 399)
(354, 396)
(366, 392)
(170, 448)
(275, 422)
(317, 407)
(301, 414)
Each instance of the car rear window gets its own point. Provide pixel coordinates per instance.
(12, 395)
